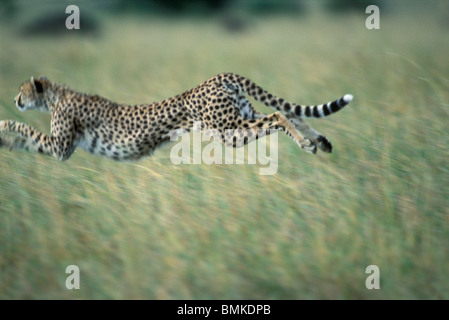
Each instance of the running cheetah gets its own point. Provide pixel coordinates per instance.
(130, 132)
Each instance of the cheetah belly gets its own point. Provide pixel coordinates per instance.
(91, 143)
(108, 146)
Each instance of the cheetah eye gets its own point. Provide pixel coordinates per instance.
(39, 87)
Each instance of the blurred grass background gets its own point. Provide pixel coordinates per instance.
(154, 230)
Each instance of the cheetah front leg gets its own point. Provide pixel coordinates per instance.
(27, 138)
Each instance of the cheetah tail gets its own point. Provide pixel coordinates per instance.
(296, 110)
(321, 110)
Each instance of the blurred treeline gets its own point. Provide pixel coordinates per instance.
(8, 8)
(250, 6)
(49, 16)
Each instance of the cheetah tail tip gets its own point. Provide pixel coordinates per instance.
(348, 97)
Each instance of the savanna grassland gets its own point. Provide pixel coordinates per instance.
(155, 230)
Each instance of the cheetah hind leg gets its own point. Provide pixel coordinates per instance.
(246, 132)
(248, 112)
(305, 130)
(317, 138)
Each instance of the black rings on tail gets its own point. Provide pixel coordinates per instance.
(323, 110)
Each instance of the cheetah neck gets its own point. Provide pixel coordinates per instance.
(57, 94)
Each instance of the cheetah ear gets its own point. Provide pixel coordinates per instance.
(38, 85)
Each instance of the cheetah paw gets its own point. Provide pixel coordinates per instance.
(309, 146)
(5, 142)
(324, 144)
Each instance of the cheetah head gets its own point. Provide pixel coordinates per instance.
(32, 95)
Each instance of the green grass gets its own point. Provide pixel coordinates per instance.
(154, 230)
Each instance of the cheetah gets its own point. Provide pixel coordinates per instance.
(130, 132)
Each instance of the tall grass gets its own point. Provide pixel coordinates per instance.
(155, 230)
